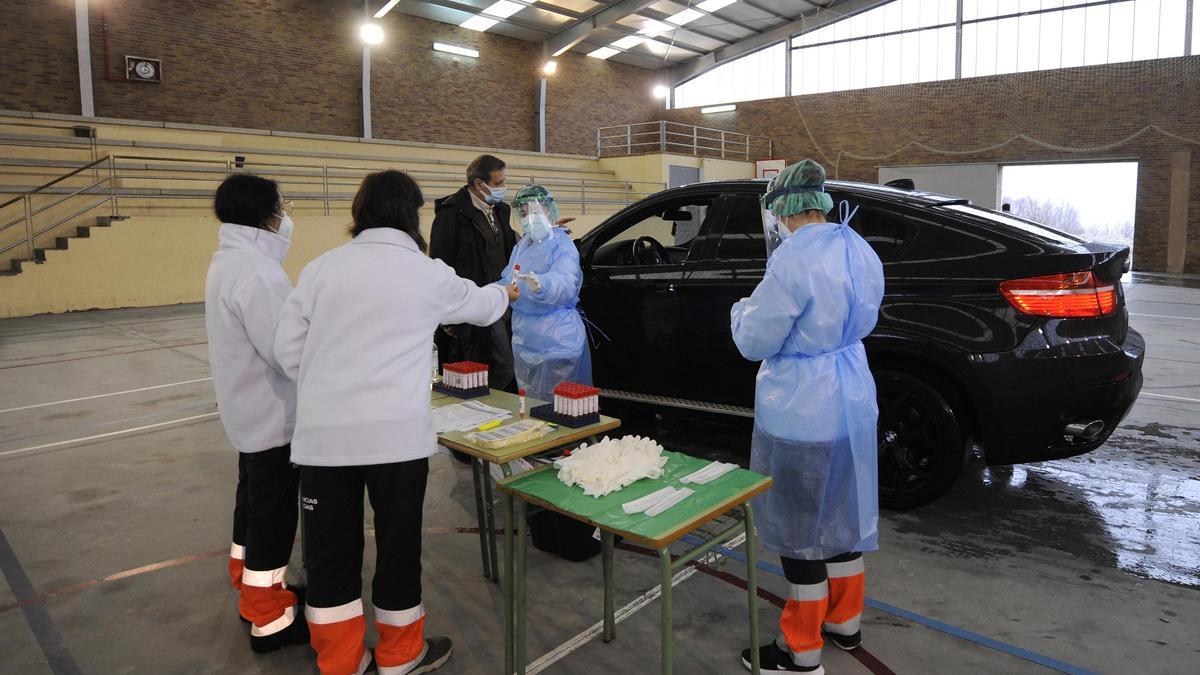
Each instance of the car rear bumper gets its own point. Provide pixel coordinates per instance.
(1034, 395)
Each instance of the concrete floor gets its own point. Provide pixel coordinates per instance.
(112, 542)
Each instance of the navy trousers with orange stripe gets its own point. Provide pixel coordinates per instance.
(822, 595)
(264, 527)
(332, 499)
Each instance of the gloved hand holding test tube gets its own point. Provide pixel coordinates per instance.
(530, 279)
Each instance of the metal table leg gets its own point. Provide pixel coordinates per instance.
(606, 555)
(752, 586)
(508, 584)
(480, 516)
(490, 515)
(664, 556)
(522, 546)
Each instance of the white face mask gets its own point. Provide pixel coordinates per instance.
(493, 195)
(285, 227)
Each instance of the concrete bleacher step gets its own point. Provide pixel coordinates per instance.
(60, 244)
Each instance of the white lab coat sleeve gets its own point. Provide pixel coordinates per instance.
(292, 330)
(464, 302)
(761, 323)
(258, 304)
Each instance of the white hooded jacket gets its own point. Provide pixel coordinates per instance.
(357, 337)
(243, 295)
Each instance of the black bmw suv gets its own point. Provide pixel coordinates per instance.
(994, 331)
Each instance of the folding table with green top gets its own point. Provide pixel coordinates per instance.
(560, 437)
(542, 488)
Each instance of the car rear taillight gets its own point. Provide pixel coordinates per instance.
(1076, 295)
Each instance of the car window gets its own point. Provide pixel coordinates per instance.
(887, 232)
(1047, 233)
(899, 234)
(674, 224)
(743, 235)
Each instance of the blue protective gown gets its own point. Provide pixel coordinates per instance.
(548, 338)
(815, 411)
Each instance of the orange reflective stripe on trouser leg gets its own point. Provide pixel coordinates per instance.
(801, 620)
(237, 562)
(266, 602)
(401, 639)
(847, 590)
(337, 636)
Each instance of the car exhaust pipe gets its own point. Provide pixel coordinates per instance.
(1088, 431)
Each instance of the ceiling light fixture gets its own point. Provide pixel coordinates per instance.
(685, 17)
(603, 53)
(504, 9)
(386, 8)
(714, 5)
(628, 42)
(452, 49)
(654, 28)
(550, 68)
(479, 23)
(370, 33)
(718, 109)
(661, 91)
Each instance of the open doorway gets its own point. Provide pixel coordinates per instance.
(1092, 200)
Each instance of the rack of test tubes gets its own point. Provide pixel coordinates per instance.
(575, 405)
(465, 379)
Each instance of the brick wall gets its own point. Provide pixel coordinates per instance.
(39, 71)
(1076, 108)
(588, 93)
(296, 65)
(418, 94)
(290, 65)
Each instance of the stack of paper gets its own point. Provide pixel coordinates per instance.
(466, 416)
(709, 473)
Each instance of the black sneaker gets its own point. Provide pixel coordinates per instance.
(295, 634)
(772, 659)
(437, 653)
(847, 643)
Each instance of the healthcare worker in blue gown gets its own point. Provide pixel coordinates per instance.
(548, 337)
(815, 414)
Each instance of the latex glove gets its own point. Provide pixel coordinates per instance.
(533, 282)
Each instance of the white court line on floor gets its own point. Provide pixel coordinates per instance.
(1165, 397)
(115, 393)
(1164, 316)
(110, 434)
(558, 653)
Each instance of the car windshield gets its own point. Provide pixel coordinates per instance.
(1028, 226)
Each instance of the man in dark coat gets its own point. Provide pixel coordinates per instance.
(471, 233)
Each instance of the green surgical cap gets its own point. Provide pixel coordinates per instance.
(537, 193)
(805, 174)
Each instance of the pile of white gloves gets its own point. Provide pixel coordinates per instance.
(611, 464)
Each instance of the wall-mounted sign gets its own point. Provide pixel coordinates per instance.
(142, 69)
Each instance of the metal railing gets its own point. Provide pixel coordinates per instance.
(673, 137)
(47, 207)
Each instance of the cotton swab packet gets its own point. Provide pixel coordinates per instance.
(709, 473)
(639, 505)
(680, 495)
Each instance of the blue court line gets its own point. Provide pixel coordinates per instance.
(934, 624)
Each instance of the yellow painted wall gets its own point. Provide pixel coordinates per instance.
(654, 168)
(148, 261)
(141, 262)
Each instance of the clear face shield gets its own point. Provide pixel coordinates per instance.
(535, 222)
(774, 229)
